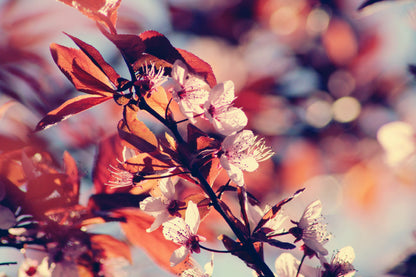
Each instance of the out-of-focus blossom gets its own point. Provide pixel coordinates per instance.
(311, 230)
(190, 91)
(163, 207)
(286, 265)
(113, 267)
(397, 139)
(184, 233)
(243, 151)
(31, 268)
(220, 111)
(341, 264)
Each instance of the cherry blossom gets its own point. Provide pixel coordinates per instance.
(184, 233)
(220, 111)
(286, 265)
(197, 271)
(163, 207)
(190, 92)
(243, 151)
(31, 268)
(311, 230)
(150, 78)
(341, 264)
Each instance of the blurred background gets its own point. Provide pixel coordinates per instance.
(331, 89)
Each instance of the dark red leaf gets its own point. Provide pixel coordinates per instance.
(44, 185)
(130, 46)
(236, 221)
(136, 132)
(232, 245)
(159, 46)
(69, 108)
(99, 10)
(108, 202)
(108, 152)
(92, 81)
(73, 180)
(97, 59)
(199, 66)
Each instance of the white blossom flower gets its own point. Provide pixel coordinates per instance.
(184, 233)
(220, 112)
(31, 268)
(286, 265)
(150, 78)
(311, 230)
(163, 207)
(243, 151)
(196, 271)
(120, 177)
(341, 264)
(190, 91)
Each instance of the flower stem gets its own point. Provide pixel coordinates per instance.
(248, 245)
(218, 251)
(8, 263)
(300, 264)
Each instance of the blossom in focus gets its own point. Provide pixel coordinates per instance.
(190, 91)
(311, 230)
(196, 271)
(243, 151)
(31, 268)
(220, 111)
(184, 233)
(341, 264)
(163, 207)
(150, 78)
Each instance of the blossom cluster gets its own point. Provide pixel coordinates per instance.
(141, 178)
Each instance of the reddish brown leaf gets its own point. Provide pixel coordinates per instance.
(97, 59)
(275, 209)
(69, 108)
(232, 245)
(199, 140)
(147, 59)
(159, 46)
(109, 151)
(154, 243)
(130, 46)
(44, 185)
(158, 101)
(12, 169)
(111, 247)
(236, 221)
(108, 202)
(73, 180)
(81, 71)
(136, 132)
(199, 66)
(99, 10)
